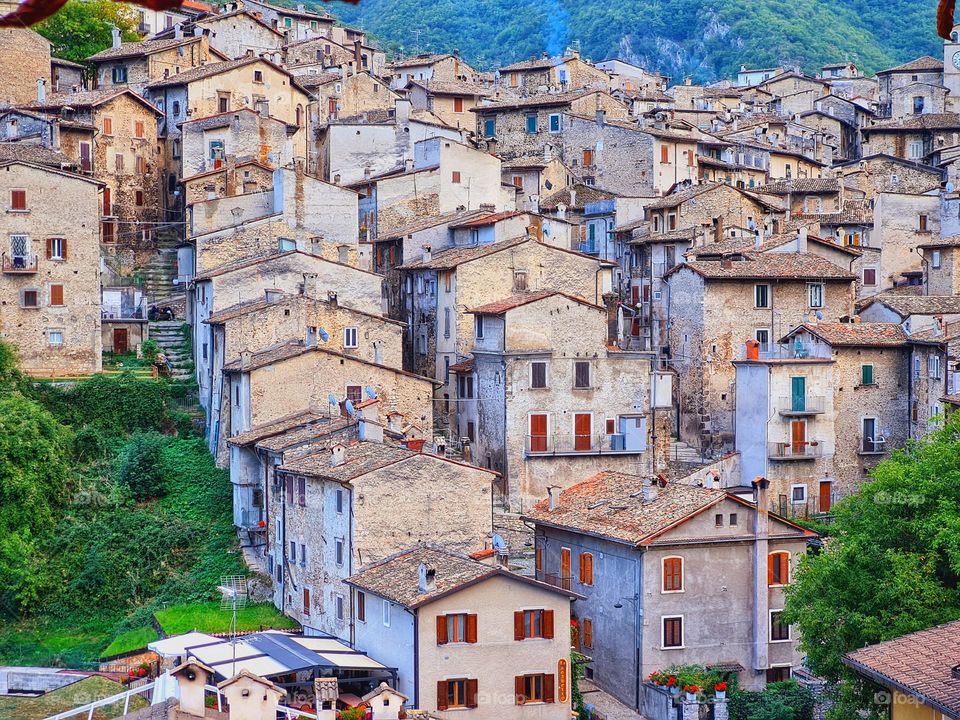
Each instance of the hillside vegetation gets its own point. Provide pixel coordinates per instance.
(678, 37)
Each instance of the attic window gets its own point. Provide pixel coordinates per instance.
(258, 76)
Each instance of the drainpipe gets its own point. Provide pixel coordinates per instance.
(910, 390)
(353, 626)
(416, 658)
(638, 625)
(926, 271)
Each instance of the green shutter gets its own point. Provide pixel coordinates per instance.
(866, 374)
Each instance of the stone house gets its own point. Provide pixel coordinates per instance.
(901, 223)
(295, 23)
(918, 138)
(450, 100)
(348, 94)
(942, 265)
(570, 204)
(671, 574)
(325, 53)
(344, 516)
(878, 173)
(562, 73)
(714, 207)
(805, 195)
(920, 74)
(835, 397)
(535, 177)
(112, 134)
(794, 92)
(443, 67)
(466, 637)
(237, 32)
(50, 283)
(715, 306)
(66, 76)
(29, 52)
(233, 178)
(438, 287)
(545, 406)
(135, 65)
(350, 149)
(152, 22)
(735, 164)
(629, 77)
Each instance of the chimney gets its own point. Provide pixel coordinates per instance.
(301, 7)
(326, 690)
(561, 212)
(408, 165)
(332, 297)
(395, 422)
(197, 31)
(191, 678)
(245, 358)
(338, 454)
(761, 549)
(178, 31)
(601, 116)
(402, 111)
(427, 579)
(547, 152)
(309, 285)
(357, 55)
(552, 504)
(41, 91)
(802, 240)
(427, 253)
(573, 197)
(250, 697)
(369, 430)
(116, 36)
(758, 241)
(649, 490)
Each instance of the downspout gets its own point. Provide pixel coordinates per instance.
(910, 390)
(638, 625)
(416, 659)
(926, 272)
(353, 625)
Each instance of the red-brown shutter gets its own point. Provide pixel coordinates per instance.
(472, 693)
(770, 560)
(471, 628)
(587, 633)
(784, 560)
(549, 683)
(361, 606)
(441, 694)
(63, 248)
(518, 626)
(664, 154)
(538, 562)
(581, 560)
(518, 689)
(547, 624)
(441, 629)
(56, 295)
(49, 248)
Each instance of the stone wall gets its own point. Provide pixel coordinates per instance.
(29, 53)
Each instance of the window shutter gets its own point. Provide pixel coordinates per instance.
(441, 629)
(518, 626)
(770, 560)
(518, 689)
(784, 560)
(582, 560)
(547, 624)
(441, 694)
(587, 633)
(49, 248)
(472, 628)
(588, 566)
(549, 683)
(56, 295)
(472, 693)
(63, 248)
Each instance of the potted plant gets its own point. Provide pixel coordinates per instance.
(672, 685)
(721, 690)
(691, 691)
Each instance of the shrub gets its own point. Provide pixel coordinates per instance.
(779, 701)
(90, 444)
(150, 349)
(141, 466)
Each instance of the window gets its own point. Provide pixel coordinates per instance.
(536, 688)
(350, 337)
(176, 149)
(762, 336)
(778, 568)
(798, 492)
(933, 366)
(141, 165)
(478, 327)
(788, 171)
(586, 568)
(339, 604)
(538, 374)
(519, 280)
(288, 22)
(935, 259)
(258, 76)
(779, 630)
(778, 674)
(718, 520)
(306, 601)
(455, 177)
(292, 557)
(866, 374)
(672, 575)
(29, 298)
(733, 519)
(119, 75)
(587, 158)
(138, 196)
(664, 154)
(518, 181)
(489, 127)
(338, 550)
(555, 122)
(761, 296)
(458, 105)
(56, 248)
(118, 162)
(55, 338)
(108, 126)
(531, 124)
(354, 393)
(815, 293)
(917, 104)
(18, 200)
(456, 628)
(302, 491)
(870, 276)
(923, 223)
(581, 374)
(361, 606)
(672, 632)
(528, 624)
(460, 693)
(339, 500)
(223, 103)
(538, 432)
(386, 613)
(587, 626)
(138, 129)
(56, 295)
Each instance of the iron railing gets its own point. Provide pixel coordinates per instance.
(800, 450)
(806, 405)
(20, 263)
(585, 443)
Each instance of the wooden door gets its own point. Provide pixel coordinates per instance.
(582, 431)
(565, 576)
(538, 433)
(825, 491)
(120, 340)
(86, 165)
(635, 326)
(798, 436)
(798, 388)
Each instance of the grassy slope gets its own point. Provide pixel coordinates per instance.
(130, 640)
(211, 618)
(66, 698)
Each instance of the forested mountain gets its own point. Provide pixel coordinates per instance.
(706, 39)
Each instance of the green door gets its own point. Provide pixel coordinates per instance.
(798, 394)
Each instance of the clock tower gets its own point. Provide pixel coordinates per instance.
(951, 70)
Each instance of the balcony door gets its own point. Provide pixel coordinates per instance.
(565, 568)
(798, 436)
(798, 394)
(538, 433)
(825, 495)
(582, 431)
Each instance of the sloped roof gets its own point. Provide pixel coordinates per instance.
(926, 121)
(921, 664)
(808, 186)
(137, 49)
(520, 299)
(678, 198)
(426, 223)
(451, 87)
(452, 257)
(907, 305)
(764, 265)
(950, 241)
(855, 334)
(36, 154)
(360, 458)
(925, 63)
(262, 432)
(852, 212)
(585, 194)
(538, 63)
(89, 98)
(487, 219)
(418, 60)
(546, 100)
(208, 70)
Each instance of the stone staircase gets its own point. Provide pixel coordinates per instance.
(168, 334)
(158, 277)
(682, 453)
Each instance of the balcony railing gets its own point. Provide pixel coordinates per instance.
(588, 247)
(250, 519)
(798, 406)
(871, 446)
(21, 263)
(811, 507)
(564, 582)
(600, 444)
(802, 450)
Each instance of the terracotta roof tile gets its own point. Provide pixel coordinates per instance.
(359, 459)
(419, 60)
(427, 223)
(205, 71)
(764, 265)
(275, 428)
(801, 186)
(520, 299)
(585, 194)
(856, 334)
(920, 664)
(451, 87)
(924, 63)
(906, 305)
(36, 154)
(853, 212)
(926, 121)
(489, 219)
(137, 49)
(610, 505)
(546, 100)
(452, 257)
(951, 241)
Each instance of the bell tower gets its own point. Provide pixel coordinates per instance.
(951, 70)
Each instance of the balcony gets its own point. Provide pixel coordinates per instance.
(251, 519)
(20, 264)
(786, 451)
(871, 446)
(801, 406)
(571, 445)
(588, 247)
(564, 582)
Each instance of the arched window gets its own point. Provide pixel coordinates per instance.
(778, 568)
(299, 115)
(672, 575)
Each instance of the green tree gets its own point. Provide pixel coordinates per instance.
(81, 28)
(141, 466)
(890, 567)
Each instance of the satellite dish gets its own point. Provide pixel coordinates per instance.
(272, 158)
(950, 187)
(324, 335)
(332, 399)
(498, 544)
(349, 406)
(548, 185)
(819, 315)
(371, 393)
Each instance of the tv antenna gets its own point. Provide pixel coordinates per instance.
(233, 595)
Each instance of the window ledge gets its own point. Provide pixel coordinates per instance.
(18, 212)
